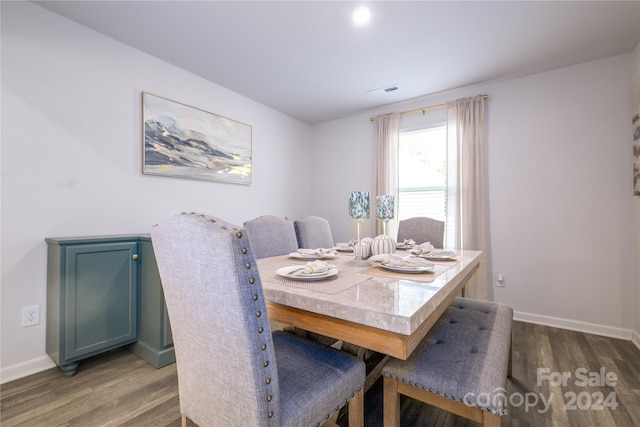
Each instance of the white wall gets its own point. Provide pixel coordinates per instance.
(72, 153)
(560, 192)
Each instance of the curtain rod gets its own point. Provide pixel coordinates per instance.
(425, 109)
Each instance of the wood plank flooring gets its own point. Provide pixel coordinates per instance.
(119, 389)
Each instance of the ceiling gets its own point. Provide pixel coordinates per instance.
(308, 60)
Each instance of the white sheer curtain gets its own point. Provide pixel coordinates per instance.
(387, 134)
(466, 210)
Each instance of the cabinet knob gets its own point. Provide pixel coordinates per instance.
(135, 256)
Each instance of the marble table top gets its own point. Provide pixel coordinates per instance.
(366, 294)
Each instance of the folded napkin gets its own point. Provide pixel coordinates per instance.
(317, 252)
(313, 267)
(349, 245)
(407, 243)
(401, 261)
(423, 249)
(427, 250)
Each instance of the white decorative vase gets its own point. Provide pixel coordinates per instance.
(383, 245)
(362, 250)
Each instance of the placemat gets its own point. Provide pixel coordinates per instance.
(333, 285)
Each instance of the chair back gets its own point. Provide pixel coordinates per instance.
(271, 236)
(313, 232)
(421, 230)
(227, 374)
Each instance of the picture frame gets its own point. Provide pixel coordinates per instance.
(186, 142)
(636, 153)
(635, 121)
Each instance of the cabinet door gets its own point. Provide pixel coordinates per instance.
(101, 297)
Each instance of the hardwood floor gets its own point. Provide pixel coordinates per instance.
(118, 388)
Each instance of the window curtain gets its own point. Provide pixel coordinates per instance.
(387, 134)
(466, 208)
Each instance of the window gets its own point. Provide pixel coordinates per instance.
(422, 177)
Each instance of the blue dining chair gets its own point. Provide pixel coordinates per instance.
(271, 236)
(232, 370)
(313, 232)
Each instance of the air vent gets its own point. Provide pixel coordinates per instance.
(383, 90)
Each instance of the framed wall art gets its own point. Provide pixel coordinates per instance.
(636, 137)
(636, 154)
(187, 142)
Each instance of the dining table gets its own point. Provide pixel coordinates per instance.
(363, 303)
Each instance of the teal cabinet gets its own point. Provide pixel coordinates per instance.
(155, 342)
(92, 298)
(105, 292)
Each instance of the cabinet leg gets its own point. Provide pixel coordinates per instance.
(69, 369)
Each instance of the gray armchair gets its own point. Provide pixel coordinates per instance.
(421, 230)
(232, 371)
(271, 236)
(313, 232)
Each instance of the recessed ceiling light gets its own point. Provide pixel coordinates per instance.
(361, 15)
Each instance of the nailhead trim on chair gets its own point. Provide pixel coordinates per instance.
(248, 266)
(252, 272)
(264, 347)
(260, 330)
(407, 372)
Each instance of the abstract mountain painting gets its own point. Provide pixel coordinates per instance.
(186, 142)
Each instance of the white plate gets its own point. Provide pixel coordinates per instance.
(439, 256)
(285, 272)
(399, 269)
(340, 249)
(404, 247)
(311, 257)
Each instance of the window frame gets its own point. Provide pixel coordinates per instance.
(443, 188)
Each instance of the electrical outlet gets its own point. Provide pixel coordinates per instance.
(30, 316)
(500, 282)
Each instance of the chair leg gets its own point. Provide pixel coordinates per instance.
(184, 421)
(491, 420)
(356, 410)
(391, 403)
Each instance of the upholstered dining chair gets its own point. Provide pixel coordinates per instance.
(271, 236)
(232, 370)
(313, 232)
(421, 230)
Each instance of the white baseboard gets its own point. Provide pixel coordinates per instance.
(635, 338)
(26, 368)
(577, 325)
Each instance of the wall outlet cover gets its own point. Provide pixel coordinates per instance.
(30, 316)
